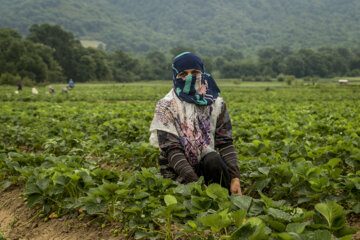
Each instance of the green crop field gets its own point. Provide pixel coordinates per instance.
(86, 153)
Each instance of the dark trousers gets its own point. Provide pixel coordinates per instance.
(214, 170)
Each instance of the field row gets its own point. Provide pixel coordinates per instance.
(298, 148)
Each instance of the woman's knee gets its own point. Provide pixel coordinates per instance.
(212, 162)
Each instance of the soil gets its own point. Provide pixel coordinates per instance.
(353, 220)
(17, 222)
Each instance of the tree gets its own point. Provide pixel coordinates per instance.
(180, 49)
(62, 43)
(239, 69)
(295, 66)
(124, 67)
(28, 59)
(233, 55)
(208, 64)
(155, 67)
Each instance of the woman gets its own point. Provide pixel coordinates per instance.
(190, 123)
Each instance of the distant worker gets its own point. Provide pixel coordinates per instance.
(65, 89)
(71, 84)
(51, 90)
(34, 91)
(19, 85)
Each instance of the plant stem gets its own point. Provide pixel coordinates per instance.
(5, 203)
(164, 229)
(38, 213)
(169, 235)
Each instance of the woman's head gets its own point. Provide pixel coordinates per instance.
(191, 83)
(186, 61)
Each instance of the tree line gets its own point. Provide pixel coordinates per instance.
(49, 54)
(209, 26)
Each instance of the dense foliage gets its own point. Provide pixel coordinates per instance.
(324, 62)
(298, 150)
(208, 25)
(33, 62)
(49, 54)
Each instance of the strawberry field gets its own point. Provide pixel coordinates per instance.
(86, 154)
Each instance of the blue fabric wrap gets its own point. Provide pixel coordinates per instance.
(189, 60)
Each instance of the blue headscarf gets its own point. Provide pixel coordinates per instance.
(185, 89)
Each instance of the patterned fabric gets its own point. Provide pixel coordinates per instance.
(229, 156)
(223, 133)
(170, 145)
(201, 88)
(193, 124)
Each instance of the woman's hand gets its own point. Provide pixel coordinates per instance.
(235, 186)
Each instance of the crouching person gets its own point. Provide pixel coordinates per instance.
(193, 130)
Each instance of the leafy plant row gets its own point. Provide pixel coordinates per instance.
(150, 206)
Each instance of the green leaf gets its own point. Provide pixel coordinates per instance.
(347, 237)
(140, 235)
(296, 227)
(314, 172)
(241, 201)
(262, 183)
(133, 209)
(216, 221)
(288, 236)
(279, 214)
(31, 188)
(122, 193)
(303, 216)
(356, 208)
(6, 184)
(43, 183)
(268, 201)
(216, 192)
(192, 224)
(141, 195)
(345, 231)
(316, 235)
(303, 200)
(333, 162)
(278, 226)
(34, 200)
(331, 211)
(60, 180)
(238, 217)
(253, 229)
(93, 208)
(110, 188)
(170, 200)
(264, 170)
(244, 232)
(182, 190)
(256, 208)
(201, 203)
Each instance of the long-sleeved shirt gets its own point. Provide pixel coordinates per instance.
(172, 160)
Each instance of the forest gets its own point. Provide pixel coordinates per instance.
(209, 26)
(49, 54)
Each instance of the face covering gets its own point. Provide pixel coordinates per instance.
(200, 89)
(191, 84)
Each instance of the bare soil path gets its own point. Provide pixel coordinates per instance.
(14, 218)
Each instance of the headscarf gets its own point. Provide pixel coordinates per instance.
(200, 89)
(189, 114)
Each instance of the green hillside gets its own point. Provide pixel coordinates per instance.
(209, 26)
